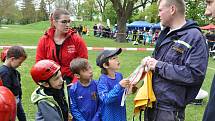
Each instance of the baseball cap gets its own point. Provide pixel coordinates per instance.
(104, 55)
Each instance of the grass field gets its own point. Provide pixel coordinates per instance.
(29, 35)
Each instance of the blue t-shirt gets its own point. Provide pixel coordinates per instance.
(110, 94)
(84, 102)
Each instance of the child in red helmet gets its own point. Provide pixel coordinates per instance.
(51, 95)
(13, 57)
(7, 105)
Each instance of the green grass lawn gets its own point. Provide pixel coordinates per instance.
(29, 35)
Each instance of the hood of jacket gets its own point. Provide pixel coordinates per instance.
(39, 95)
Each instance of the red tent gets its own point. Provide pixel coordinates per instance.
(208, 27)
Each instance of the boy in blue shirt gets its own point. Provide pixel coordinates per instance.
(84, 101)
(111, 86)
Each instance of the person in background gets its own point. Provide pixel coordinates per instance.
(84, 100)
(179, 63)
(51, 96)
(95, 30)
(61, 44)
(111, 86)
(11, 79)
(210, 110)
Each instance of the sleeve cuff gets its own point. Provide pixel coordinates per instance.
(118, 86)
(158, 66)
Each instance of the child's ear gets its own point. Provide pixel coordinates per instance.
(105, 65)
(11, 58)
(77, 75)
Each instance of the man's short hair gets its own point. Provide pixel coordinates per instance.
(180, 5)
(16, 52)
(78, 64)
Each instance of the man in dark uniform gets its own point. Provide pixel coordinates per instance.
(179, 63)
(210, 110)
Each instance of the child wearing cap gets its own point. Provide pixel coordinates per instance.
(84, 101)
(13, 57)
(111, 86)
(51, 95)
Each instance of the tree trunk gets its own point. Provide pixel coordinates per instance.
(121, 26)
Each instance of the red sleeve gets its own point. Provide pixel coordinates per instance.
(40, 55)
(82, 48)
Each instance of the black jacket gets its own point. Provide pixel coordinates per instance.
(11, 79)
(210, 110)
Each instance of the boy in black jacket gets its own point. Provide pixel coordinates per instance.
(14, 57)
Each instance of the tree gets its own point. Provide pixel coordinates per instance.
(7, 9)
(28, 10)
(88, 10)
(195, 11)
(150, 14)
(102, 7)
(49, 2)
(110, 14)
(62, 4)
(42, 14)
(124, 9)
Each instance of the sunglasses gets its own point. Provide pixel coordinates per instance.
(65, 21)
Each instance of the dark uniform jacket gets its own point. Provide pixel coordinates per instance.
(210, 110)
(182, 57)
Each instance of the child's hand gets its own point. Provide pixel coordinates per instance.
(125, 83)
(144, 63)
(70, 117)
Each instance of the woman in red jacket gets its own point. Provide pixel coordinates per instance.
(61, 44)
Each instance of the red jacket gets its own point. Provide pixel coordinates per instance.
(73, 47)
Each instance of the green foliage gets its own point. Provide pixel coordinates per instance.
(109, 13)
(28, 12)
(88, 10)
(150, 14)
(136, 15)
(195, 10)
(42, 14)
(7, 11)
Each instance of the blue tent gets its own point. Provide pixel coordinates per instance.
(139, 24)
(156, 26)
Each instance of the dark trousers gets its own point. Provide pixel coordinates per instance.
(154, 114)
(20, 112)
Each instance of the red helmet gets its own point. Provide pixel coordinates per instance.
(1, 83)
(7, 105)
(4, 54)
(43, 70)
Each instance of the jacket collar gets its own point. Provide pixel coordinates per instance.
(176, 34)
(50, 32)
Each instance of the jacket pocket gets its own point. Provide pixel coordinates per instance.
(176, 54)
